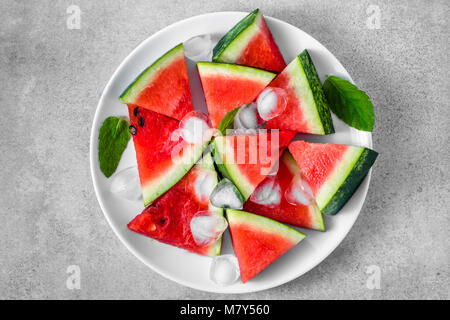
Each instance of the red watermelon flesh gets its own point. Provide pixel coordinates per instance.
(297, 215)
(227, 87)
(156, 142)
(248, 159)
(259, 241)
(168, 218)
(163, 87)
(333, 171)
(250, 43)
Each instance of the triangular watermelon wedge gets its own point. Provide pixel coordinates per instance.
(307, 109)
(228, 86)
(259, 241)
(247, 159)
(304, 216)
(163, 157)
(168, 218)
(333, 171)
(250, 43)
(163, 87)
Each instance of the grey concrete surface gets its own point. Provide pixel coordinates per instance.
(52, 78)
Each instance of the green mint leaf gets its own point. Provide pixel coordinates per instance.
(112, 141)
(227, 121)
(350, 104)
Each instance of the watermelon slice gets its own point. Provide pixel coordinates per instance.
(300, 215)
(168, 218)
(248, 159)
(333, 171)
(259, 241)
(163, 157)
(228, 86)
(250, 43)
(163, 87)
(307, 109)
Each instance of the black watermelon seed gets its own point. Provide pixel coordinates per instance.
(162, 220)
(133, 130)
(141, 121)
(136, 111)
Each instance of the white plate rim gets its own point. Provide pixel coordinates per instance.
(93, 159)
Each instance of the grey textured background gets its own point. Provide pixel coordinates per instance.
(52, 78)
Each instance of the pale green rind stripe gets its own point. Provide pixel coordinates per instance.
(225, 151)
(299, 82)
(232, 70)
(264, 224)
(131, 93)
(207, 163)
(236, 47)
(338, 176)
(156, 188)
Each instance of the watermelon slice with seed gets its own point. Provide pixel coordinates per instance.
(228, 86)
(247, 159)
(168, 218)
(250, 43)
(304, 216)
(163, 87)
(333, 171)
(163, 157)
(307, 109)
(259, 241)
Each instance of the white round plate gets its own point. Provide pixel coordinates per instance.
(190, 269)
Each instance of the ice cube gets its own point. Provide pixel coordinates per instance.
(268, 192)
(195, 127)
(299, 193)
(247, 117)
(226, 195)
(271, 102)
(126, 184)
(224, 270)
(199, 48)
(207, 227)
(204, 184)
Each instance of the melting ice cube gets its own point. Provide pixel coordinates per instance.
(271, 102)
(207, 227)
(226, 195)
(204, 184)
(195, 128)
(299, 193)
(126, 184)
(268, 192)
(247, 117)
(199, 48)
(224, 270)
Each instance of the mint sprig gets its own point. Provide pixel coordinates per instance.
(350, 104)
(112, 141)
(228, 121)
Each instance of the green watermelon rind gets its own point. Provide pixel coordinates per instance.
(133, 90)
(207, 163)
(353, 170)
(315, 85)
(230, 170)
(208, 68)
(316, 216)
(158, 187)
(264, 224)
(236, 37)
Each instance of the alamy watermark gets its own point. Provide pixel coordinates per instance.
(73, 282)
(73, 21)
(374, 279)
(374, 17)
